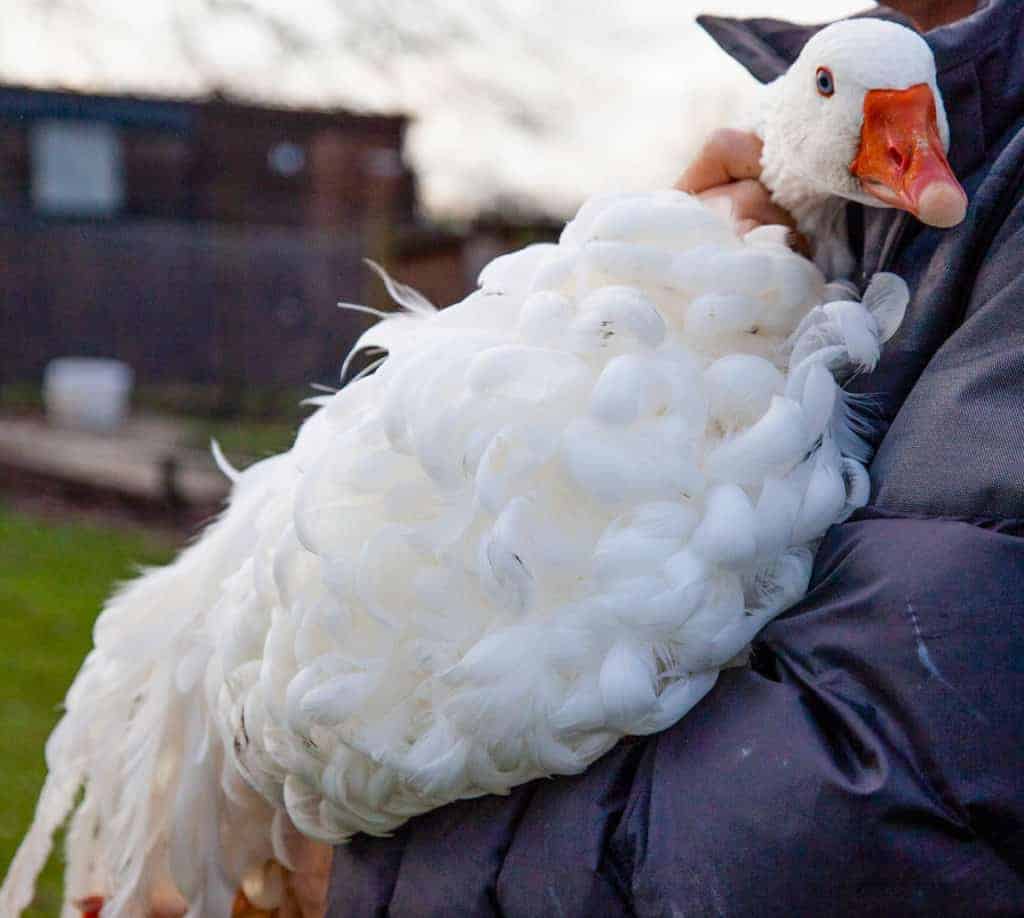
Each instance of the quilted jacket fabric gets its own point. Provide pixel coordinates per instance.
(871, 759)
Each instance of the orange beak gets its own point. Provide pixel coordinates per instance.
(901, 161)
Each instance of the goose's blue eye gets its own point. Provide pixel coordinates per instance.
(823, 80)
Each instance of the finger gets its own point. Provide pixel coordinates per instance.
(309, 884)
(727, 156)
(797, 241)
(750, 200)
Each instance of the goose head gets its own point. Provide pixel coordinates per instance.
(859, 117)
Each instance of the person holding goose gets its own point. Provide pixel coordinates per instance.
(415, 605)
(867, 761)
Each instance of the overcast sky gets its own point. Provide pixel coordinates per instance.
(529, 103)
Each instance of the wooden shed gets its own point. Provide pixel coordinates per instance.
(193, 239)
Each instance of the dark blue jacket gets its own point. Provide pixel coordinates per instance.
(871, 760)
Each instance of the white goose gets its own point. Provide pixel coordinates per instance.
(548, 520)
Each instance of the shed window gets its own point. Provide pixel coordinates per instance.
(77, 168)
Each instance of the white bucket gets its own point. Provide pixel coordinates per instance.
(87, 393)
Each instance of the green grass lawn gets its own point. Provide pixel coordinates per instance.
(53, 580)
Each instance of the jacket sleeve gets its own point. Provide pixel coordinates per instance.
(871, 764)
(867, 764)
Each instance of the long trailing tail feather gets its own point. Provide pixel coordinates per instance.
(55, 803)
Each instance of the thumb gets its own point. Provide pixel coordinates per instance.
(727, 156)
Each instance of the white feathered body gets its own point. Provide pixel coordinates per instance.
(549, 519)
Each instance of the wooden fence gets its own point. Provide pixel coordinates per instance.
(179, 302)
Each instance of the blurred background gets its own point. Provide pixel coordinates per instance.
(188, 187)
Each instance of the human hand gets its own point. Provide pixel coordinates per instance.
(728, 168)
(271, 891)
